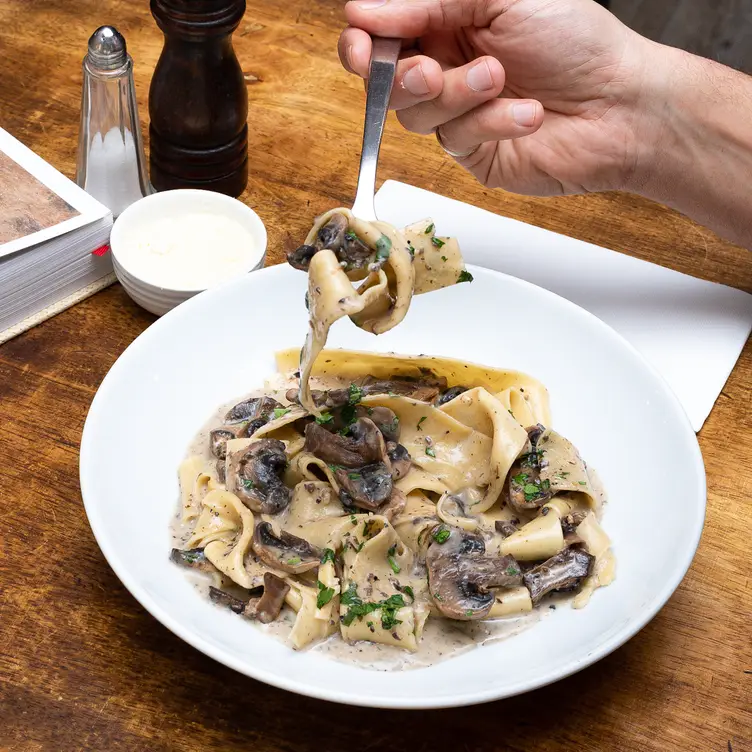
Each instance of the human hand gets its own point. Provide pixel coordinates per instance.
(545, 95)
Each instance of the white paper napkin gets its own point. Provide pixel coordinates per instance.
(690, 330)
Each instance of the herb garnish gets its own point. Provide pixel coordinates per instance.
(408, 590)
(356, 394)
(581, 483)
(396, 568)
(521, 479)
(358, 609)
(429, 229)
(438, 243)
(383, 249)
(468, 612)
(444, 258)
(280, 411)
(294, 561)
(430, 451)
(334, 468)
(354, 476)
(350, 235)
(465, 276)
(325, 417)
(193, 556)
(441, 535)
(249, 484)
(512, 571)
(325, 594)
(328, 555)
(425, 417)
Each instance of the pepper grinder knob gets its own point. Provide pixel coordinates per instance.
(107, 49)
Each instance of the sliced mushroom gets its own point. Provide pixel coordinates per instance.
(284, 551)
(355, 254)
(571, 522)
(560, 573)
(461, 577)
(267, 608)
(384, 419)
(264, 604)
(301, 257)
(225, 599)
(421, 390)
(366, 487)
(400, 459)
(505, 528)
(332, 234)
(218, 439)
(524, 488)
(221, 468)
(449, 395)
(322, 398)
(193, 558)
(247, 431)
(252, 409)
(256, 476)
(365, 444)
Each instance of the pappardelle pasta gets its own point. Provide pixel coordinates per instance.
(417, 505)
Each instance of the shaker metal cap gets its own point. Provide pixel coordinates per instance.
(107, 49)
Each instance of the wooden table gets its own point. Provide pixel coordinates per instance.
(84, 667)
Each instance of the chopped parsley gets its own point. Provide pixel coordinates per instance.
(328, 555)
(512, 571)
(324, 596)
(465, 276)
(520, 479)
(324, 418)
(383, 249)
(294, 561)
(441, 535)
(425, 417)
(396, 568)
(354, 476)
(353, 519)
(444, 258)
(411, 249)
(581, 483)
(437, 597)
(358, 609)
(193, 556)
(429, 229)
(356, 394)
(280, 411)
(334, 468)
(350, 235)
(430, 451)
(249, 484)
(468, 612)
(562, 475)
(438, 243)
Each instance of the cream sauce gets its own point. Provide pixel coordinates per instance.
(441, 638)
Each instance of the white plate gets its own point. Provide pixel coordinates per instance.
(220, 344)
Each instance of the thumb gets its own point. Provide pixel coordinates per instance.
(412, 18)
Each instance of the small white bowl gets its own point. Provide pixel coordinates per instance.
(160, 298)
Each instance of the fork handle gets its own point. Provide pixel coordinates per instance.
(384, 57)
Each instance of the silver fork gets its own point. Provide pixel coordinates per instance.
(380, 81)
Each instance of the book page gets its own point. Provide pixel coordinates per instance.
(26, 205)
(38, 203)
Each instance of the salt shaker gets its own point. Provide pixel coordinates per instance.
(111, 164)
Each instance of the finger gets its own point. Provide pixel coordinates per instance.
(498, 120)
(464, 89)
(417, 78)
(413, 18)
(354, 48)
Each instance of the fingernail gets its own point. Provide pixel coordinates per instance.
(415, 82)
(479, 77)
(369, 4)
(524, 114)
(348, 55)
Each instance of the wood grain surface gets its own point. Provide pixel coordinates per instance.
(84, 667)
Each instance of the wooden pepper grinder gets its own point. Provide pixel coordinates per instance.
(198, 102)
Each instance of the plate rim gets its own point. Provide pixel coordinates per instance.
(304, 687)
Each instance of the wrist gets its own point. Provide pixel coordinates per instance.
(693, 130)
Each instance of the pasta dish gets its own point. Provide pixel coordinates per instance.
(393, 505)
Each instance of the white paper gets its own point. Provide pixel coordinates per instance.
(690, 330)
(89, 209)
